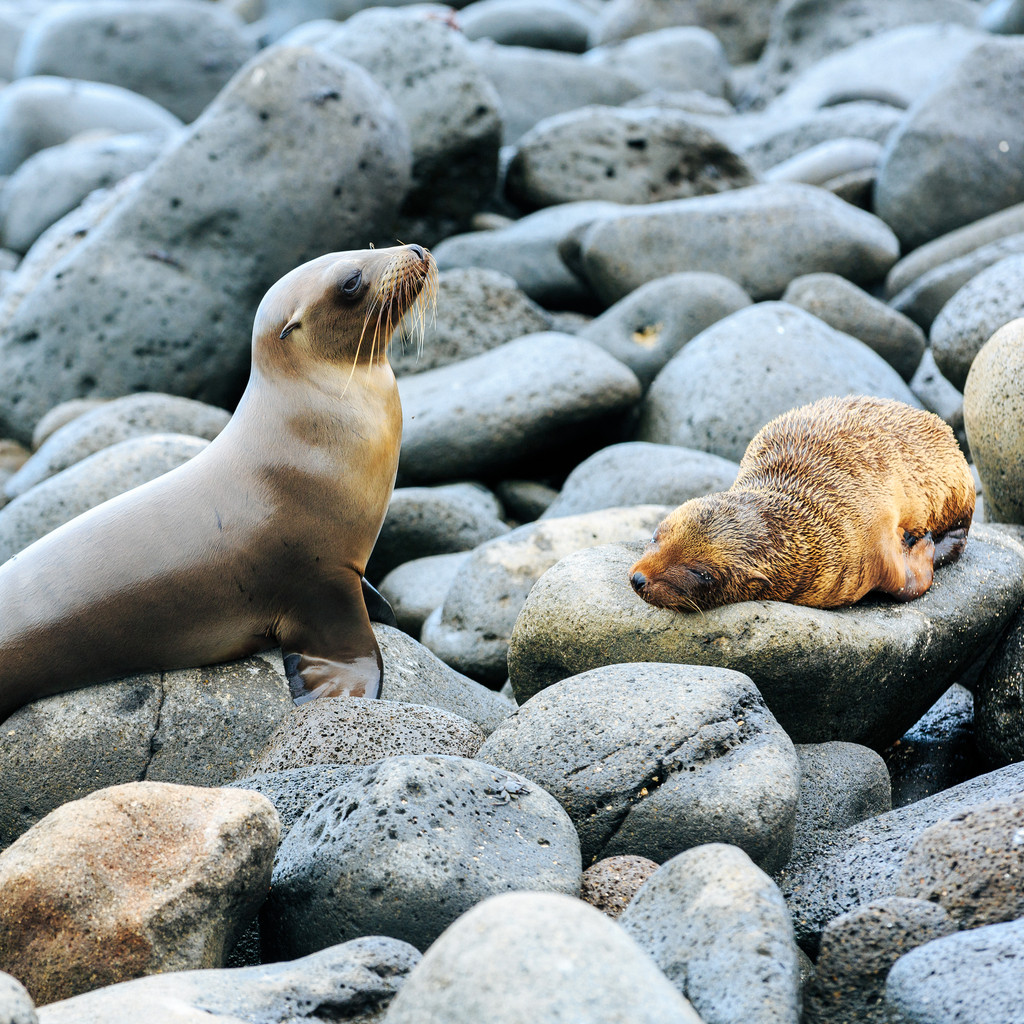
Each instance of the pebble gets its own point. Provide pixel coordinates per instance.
(611, 883)
(548, 25)
(828, 162)
(652, 759)
(415, 588)
(16, 1004)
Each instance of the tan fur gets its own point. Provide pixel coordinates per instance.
(833, 500)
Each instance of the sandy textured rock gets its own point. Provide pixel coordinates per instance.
(611, 883)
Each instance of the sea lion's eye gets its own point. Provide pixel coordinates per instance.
(704, 577)
(350, 286)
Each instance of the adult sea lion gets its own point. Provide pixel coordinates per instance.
(261, 539)
(833, 500)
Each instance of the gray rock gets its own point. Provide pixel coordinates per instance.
(719, 928)
(636, 473)
(177, 52)
(857, 950)
(762, 237)
(88, 483)
(165, 303)
(862, 864)
(535, 84)
(751, 367)
(1003, 16)
(359, 732)
(525, 500)
(471, 630)
(537, 957)
(407, 846)
(413, 674)
(863, 674)
(477, 310)
(419, 586)
(827, 161)
(994, 419)
(623, 155)
(477, 415)
(132, 416)
(62, 414)
(193, 726)
(971, 976)
(841, 784)
(543, 24)
(46, 111)
(999, 699)
(741, 25)
(273, 18)
(527, 250)
(847, 308)
(970, 864)
(963, 129)
(937, 395)
(16, 1006)
(434, 521)
(678, 59)
(55, 180)
(653, 759)
(647, 327)
(989, 300)
(353, 982)
(923, 299)
(611, 883)
(449, 106)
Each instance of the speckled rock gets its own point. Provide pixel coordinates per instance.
(754, 365)
(415, 588)
(543, 24)
(60, 498)
(718, 927)
(637, 472)
(408, 845)
(857, 950)
(647, 327)
(354, 731)
(974, 975)
(537, 956)
(164, 876)
(16, 1004)
(471, 630)
(847, 308)
(353, 982)
(762, 237)
(177, 52)
(862, 863)
(653, 759)
(994, 419)
(433, 521)
(512, 402)
(200, 727)
(999, 699)
(611, 883)
(477, 310)
(862, 674)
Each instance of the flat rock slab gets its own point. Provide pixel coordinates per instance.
(863, 674)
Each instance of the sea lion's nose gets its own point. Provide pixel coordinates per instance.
(639, 581)
(418, 249)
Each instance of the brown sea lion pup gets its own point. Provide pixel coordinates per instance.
(833, 500)
(262, 538)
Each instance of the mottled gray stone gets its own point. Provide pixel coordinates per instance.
(415, 588)
(434, 521)
(351, 983)
(863, 674)
(971, 976)
(937, 395)
(762, 237)
(999, 699)
(754, 365)
(611, 883)
(471, 629)
(61, 415)
(649, 325)
(653, 759)
(718, 927)
(16, 1006)
(829, 163)
(543, 24)
(514, 401)
(408, 845)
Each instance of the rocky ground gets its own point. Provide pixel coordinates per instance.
(659, 223)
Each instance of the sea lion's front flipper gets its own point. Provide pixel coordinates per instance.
(330, 650)
(377, 605)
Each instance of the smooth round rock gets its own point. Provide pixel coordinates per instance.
(652, 759)
(415, 588)
(543, 24)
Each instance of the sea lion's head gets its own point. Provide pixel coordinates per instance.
(708, 552)
(343, 307)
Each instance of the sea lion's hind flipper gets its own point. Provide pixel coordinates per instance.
(377, 605)
(917, 556)
(949, 546)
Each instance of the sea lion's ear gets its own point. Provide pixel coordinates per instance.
(289, 327)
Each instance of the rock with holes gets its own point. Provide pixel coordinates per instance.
(408, 845)
(610, 884)
(161, 295)
(164, 878)
(718, 927)
(653, 759)
(196, 726)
